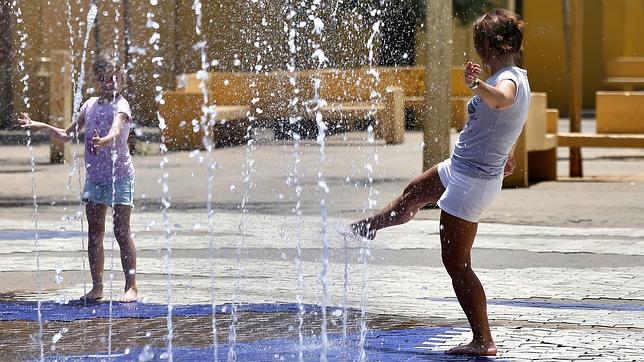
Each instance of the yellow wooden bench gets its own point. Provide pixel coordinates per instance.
(183, 113)
(620, 123)
(348, 95)
(620, 112)
(535, 153)
(229, 97)
(603, 140)
(625, 73)
(460, 95)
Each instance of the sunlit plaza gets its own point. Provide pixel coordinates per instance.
(261, 131)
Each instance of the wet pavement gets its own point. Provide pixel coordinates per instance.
(555, 293)
(562, 264)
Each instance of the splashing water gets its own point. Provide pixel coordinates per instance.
(248, 185)
(207, 121)
(345, 291)
(318, 54)
(365, 247)
(111, 275)
(75, 167)
(22, 35)
(247, 173)
(294, 177)
(78, 97)
(78, 93)
(114, 158)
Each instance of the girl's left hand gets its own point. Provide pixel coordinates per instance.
(509, 166)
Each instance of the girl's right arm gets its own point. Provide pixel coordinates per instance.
(54, 132)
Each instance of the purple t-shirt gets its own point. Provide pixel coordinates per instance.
(98, 162)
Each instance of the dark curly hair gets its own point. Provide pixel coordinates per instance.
(498, 33)
(103, 61)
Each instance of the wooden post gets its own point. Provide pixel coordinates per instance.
(632, 27)
(60, 102)
(437, 114)
(573, 13)
(7, 119)
(512, 6)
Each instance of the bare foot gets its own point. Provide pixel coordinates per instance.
(474, 349)
(129, 296)
(363, 228)
(94, 295)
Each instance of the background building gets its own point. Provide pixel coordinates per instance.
(242, 35)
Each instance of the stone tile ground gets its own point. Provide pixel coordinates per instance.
(562, 262)
(554, 312)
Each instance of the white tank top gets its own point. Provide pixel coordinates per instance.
(484, 144)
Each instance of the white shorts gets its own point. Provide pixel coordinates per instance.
(466, 197)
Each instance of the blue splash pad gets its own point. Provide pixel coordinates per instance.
(393, 345)
(12, 234)
(559, 304)
(77, 310)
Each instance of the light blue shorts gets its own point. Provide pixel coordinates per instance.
(102, 192)
(466, 197)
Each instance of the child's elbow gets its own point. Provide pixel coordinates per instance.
(501, 104)
(496, 105)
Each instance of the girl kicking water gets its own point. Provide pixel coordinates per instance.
(106, 119)
(467, 183)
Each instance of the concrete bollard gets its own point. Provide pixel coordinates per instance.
(391, 120)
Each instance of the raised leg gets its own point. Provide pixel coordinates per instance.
(128, 250)
(422, 190)
(457, 237)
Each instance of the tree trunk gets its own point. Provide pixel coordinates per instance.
(572, 15)
(6, 86)
(436, 117)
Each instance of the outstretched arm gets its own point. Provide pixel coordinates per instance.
(119, 125)
(53, 132)
(500, 96)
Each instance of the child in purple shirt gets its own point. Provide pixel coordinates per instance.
(110, 180)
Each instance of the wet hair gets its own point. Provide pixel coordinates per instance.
(498, 33)
(103, 61)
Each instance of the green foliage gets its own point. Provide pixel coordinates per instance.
(466, 11)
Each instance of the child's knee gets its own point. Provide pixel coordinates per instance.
(96, 232)
(455, 267)
(122, 236)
